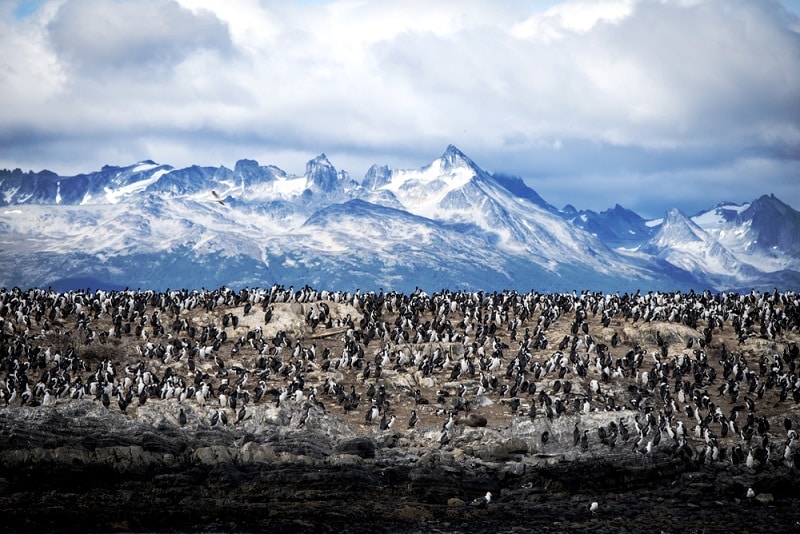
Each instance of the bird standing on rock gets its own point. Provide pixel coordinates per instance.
(484, 501)
(386, 424)
(413, 420)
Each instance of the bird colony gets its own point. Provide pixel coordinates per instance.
(711, 377)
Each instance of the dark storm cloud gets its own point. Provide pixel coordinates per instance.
(98, 36)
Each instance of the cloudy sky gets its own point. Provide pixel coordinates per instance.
(647, 103)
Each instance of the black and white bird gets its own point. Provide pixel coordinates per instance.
(372, 414)
(444, 439)
(481, 502)
(386, 424)
(448, 425)
(242, 413)
(413, 420)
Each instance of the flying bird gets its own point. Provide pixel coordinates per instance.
(217, 198)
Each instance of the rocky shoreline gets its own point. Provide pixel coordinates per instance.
(80, 467)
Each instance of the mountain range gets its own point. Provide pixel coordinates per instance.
(449, 224)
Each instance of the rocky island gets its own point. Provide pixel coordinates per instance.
(293, 409)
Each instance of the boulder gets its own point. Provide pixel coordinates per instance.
(363, 447)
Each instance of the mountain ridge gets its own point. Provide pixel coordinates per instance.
(470, 228)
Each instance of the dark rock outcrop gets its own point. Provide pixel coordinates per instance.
(86, 467)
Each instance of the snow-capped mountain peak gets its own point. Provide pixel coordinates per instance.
(764, 233)
(420, 191)
(446, 224)
(720, 214)
(453, 158)
(678, 230)
(684, 244)
(377, 176)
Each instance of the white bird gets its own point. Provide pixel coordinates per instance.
(750, 493)
(593, 507)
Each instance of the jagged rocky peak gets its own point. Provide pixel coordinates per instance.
(376, 177)
(622, 213)
(776, 224)
(247, 168)
(769, 204)
(569, 211)
(321, 174)
(453, 158)
(619, 209)
(251, 171)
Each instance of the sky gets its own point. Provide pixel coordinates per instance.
(651, 104)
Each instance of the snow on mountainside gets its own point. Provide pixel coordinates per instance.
(683, 243)
(764, 233)
(616, 227)
(453, 189)
(447, 224)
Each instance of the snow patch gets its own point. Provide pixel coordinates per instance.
(142, 167)
(113, 196)
(289, 187)
(9, 194)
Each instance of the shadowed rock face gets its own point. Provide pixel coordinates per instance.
(302, 461)
(86, 467)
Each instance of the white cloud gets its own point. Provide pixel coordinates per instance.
(572, 16)
(522, 87)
